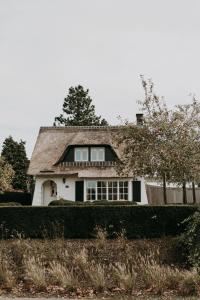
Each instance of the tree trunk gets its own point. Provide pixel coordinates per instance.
(193, 193)
(164, 189)
(184, 193)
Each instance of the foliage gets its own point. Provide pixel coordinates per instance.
(6, 175)
(10, 204)
(191, 239)
(169, 140)
(17, 197)
(63, 202)
(78, 110)
(14, 153)
(81, 221)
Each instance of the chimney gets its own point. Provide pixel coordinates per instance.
(139, 119)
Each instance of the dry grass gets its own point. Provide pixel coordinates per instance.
(35, 271)
(90, 267)
(61, 275)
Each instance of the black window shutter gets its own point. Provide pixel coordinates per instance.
(79, 191)
(136, 190)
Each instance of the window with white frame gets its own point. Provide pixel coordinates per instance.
(107, 190)
(81, 154)
(91, 190)
(97, 154)
(113, 190)
(101, 190)
(123, 190)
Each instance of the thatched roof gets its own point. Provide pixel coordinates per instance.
(53, 141)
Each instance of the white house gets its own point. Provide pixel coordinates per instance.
(79, 163)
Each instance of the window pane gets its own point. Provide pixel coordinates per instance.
(91, 190)
(101, 190)
(101, 154)
(91, 184)
(81, 154)
(85, 155)
(114, 196)
(121, 184)
(97, 154)
(123, 190)
(78, 155)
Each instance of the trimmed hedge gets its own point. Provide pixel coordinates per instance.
(63, 202)
(10, 204)
(19, 197)
(112, 203)
(80, 221)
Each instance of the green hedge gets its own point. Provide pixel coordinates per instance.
(19, 197)
(10, 204)
(80, 221)
(63, 202)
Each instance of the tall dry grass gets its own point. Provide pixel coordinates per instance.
(100, 265)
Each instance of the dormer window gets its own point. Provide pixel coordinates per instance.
(97, 154)
(88, 153)
(81, 154)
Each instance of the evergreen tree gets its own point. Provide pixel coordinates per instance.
(14, 154)
(78, 110)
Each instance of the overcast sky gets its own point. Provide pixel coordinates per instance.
(46, 46)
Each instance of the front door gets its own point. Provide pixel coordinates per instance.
(79, 195)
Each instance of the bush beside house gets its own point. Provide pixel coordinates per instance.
(17, 197)
(63, 202)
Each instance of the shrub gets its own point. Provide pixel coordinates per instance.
(63, 202)
(19, 197)
(10, 204)
(113, 203)
(189, 285)
(81, 221)
(190, 239)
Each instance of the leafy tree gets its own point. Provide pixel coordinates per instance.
(6, 175)
(78, 110)
(14, 153)
(186, 138)
(166, 145)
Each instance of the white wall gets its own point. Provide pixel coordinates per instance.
(67, 193)
(67, 190)
(144, 199)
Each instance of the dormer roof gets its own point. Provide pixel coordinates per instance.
(52, 142)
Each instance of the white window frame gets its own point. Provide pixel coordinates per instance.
(107, 191)
(96, 149)
(81, 153)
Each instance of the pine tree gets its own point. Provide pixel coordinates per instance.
(78, 110)
(14, 154)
